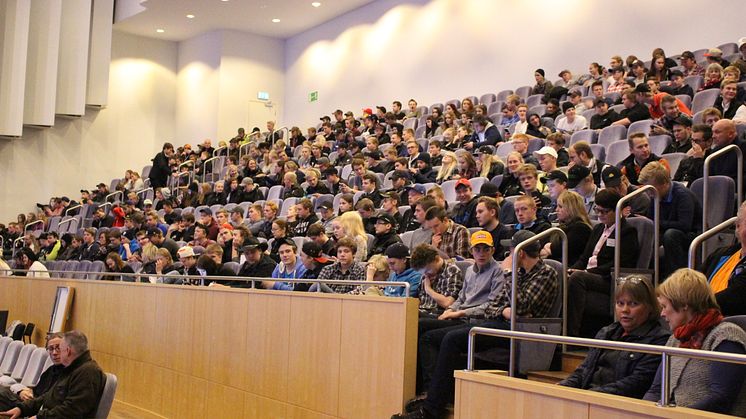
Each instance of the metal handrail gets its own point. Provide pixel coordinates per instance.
(177, 180)
(105, 204)
(706, 188)
(15, 248)
(72, 208)
(69, 220)
(215, 152)
(212, 169)
(121, 197)
(617, 232)
(665, 351)
(704, 236)
(249, 139)
(284, 137)
(142, 191)
(32, 223)
(514, 280)
(252, 279)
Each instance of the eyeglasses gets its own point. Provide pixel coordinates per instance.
(54, 348)
(636, 280)
(600, 210)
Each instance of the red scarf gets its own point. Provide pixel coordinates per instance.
(692, 334)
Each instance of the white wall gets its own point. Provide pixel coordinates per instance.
(219, 73)
(444, 49)
(101, 145)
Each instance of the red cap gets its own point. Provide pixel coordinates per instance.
(369, 111)
(463, 181)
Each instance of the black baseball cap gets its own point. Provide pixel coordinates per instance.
(611, 176)
(386, 218)
(555, 175)
(397, 251)
(576, 174)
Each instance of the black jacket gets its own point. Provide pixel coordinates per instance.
(732, 300)
(75, 394)
(634, 371)
(253, 196)
(630, 250)
(261, 269)
(577, 236)
(160, 171)
(466, 213)
(382, 242)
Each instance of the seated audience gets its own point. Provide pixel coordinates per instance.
(290, 266)
(464, 212)
(451, 239)
(78, 389)
(525, 212)
(13, 394)
(573, 220)
(488, 217)
(511, 184)
(612, 372)
(589, 285)
(604, 116)
(346, 268)
(689, 307)
(680, 216)
(640, 156)
(581, 154)
(386, 235)
(538, 287)
(114, 263)
(350, 224)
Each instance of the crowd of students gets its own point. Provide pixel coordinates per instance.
(411, 210)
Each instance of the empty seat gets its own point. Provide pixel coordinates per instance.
(20, 368)
(11, 356)
(587, 135)
(523, 91)
(695, 82)
(645, 232)
(658, 144)
(107, 397)
(704, 99)
(674, 160)
(640, 126)
(611, 134)
(616, 152)
(234, 266)
(35, 366)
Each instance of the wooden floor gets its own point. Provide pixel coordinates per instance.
(124, 411)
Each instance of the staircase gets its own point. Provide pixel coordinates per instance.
(570, 361)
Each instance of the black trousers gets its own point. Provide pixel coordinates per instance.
(588, 296)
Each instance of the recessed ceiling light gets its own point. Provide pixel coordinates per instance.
(275, 20)
(315, 4)
(224, 1)
(190, 16)
(160, 30)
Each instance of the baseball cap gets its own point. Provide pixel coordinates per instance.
(555, 175)
(397, 251)
(562, 73)
(368, 111)
(741, 42)
(489, 189)
(386, 218)
(714, 52)
(251, 243)
(186, 252)
(101, 185)
(485, 149)
(349, 113)
(417, 188)
(463, 182)
(326, 205)
(482, 237)
(676, 73)
(154, 232)
(638, 63)
(545, 150)
(313, 250)
(576, 174)
(642, 88)
(682, 120)
(325, 119)
(147, 202)
(375, 154)
(205, 211)
(611, 176)
(690, 55)
(523, 235)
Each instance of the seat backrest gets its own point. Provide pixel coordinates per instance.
(4, 342)
(639, 126)
(96, 266)
(406, 238)
(35, 367)
(449, 190)
(274, 192)
(704, 99)
(557, 305)
(674, 160)
(658, 144)
(11, 356)
(644, 227)
(23, 362)
(234, 266)
(107, 397)
(587, 135)
(721, 193)
(18, 331)
(464, 265)
(739, 320)
(616, 152)
(611, 134)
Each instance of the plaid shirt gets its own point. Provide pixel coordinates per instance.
(697, 70)
(537, 291)
(455, 242)
(449, 282)
(617, 87)
(356, 272)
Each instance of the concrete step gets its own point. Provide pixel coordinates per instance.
(550, 377)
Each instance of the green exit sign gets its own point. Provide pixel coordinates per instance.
(313, 96)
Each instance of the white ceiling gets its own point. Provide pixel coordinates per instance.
(253, 16)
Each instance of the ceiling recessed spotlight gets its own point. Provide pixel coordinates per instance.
(275, 20)
(190, 16)
(224, 1)
(160, 30)
(315, 4)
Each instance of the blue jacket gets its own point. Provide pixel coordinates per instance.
(409, 275)
(280, 272)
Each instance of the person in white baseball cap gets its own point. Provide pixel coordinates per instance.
(547, 157)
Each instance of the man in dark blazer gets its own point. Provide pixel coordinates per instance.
(161, 170)
(589, 285)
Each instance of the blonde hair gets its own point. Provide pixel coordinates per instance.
(487, 164)
(573, 202)
(381, 264)
(688, 288)
(436, 192)
(352, 223)
(445, 171)
(164, 253)
(654, 172)
(149, 253)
